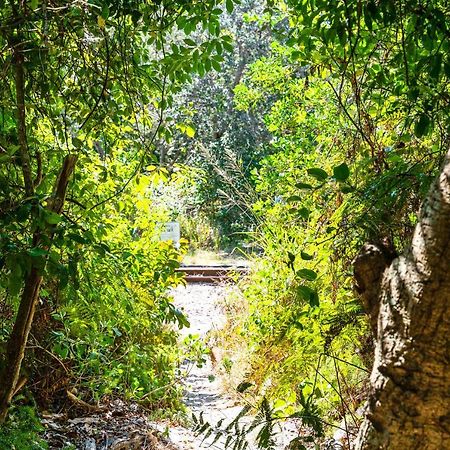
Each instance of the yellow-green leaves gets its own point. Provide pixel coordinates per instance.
(188, 130)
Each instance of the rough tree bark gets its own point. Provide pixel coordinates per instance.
(407, 299)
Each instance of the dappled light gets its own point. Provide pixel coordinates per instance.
(224, 224)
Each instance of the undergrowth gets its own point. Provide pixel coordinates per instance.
(22, 429)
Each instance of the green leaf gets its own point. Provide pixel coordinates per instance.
(77, 238)
(229, 5)
(61, 350)
(216, 65)
(308, 294)
(242, 387)
(190, 132)
(227, 46)
(341, 172)
(105, 12)
(304, 213)
(307, 274)
(317, 173)
(37, 252)
(306, 256)
(52, 218)
(422, 125)
(77, 143)
(293, 198)
(303, 186)
(314, 299)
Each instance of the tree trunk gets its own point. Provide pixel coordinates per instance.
(408, 405)
(17, 341)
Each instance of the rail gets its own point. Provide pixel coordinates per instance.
(213, 274)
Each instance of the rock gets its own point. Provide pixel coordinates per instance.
(90, 444)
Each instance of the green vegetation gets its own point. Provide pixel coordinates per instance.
(22, 430)
(301, 129)
(356, 141)
(83, 279)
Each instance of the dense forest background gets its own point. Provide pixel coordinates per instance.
(292, 133)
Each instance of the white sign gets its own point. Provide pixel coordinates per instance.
(170, 232)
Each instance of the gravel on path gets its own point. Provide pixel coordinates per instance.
(203, 388)
(204, 393)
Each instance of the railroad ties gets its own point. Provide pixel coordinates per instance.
(212, 274)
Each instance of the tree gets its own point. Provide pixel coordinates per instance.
(408, 304)
(395, 57)
(81, 81)
(384, 67)
(226, 143)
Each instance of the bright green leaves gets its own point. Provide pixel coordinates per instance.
(418, 55)
(186, 129)
(229, 5)
(190, 132)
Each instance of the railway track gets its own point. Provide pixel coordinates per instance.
(212, 274)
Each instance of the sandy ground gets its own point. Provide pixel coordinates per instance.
(204, 391)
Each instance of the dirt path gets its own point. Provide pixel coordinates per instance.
(204, 392)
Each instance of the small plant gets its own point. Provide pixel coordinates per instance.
(227, 364)
(237, 434)
(21, 431)
(195, 350)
